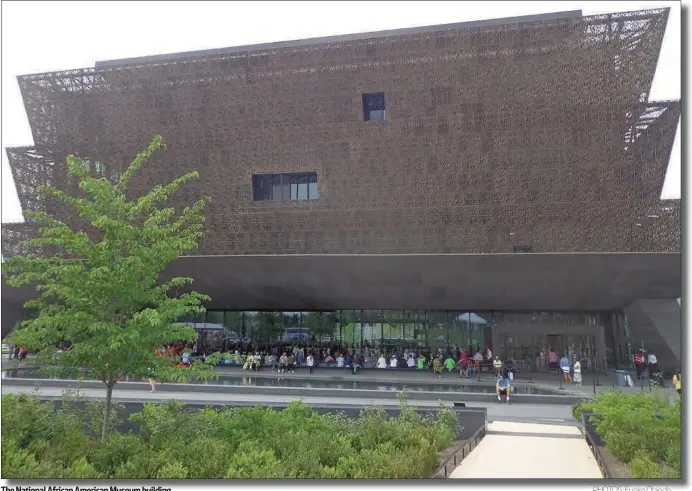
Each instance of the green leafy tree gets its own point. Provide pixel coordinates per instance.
(100, 292)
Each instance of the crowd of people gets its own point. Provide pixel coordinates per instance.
(288, 358)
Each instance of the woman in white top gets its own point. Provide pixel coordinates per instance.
(393, 362)
(340, 361)
(381, 362)
(410, 362)
(310, 362)
(577, 373)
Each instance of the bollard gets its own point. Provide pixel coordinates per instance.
(561, 377)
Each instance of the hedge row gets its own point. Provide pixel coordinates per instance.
(42, 440)
(641, 429)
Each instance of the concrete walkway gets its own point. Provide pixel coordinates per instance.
(513, 450)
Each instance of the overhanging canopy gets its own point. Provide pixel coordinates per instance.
(462, 282)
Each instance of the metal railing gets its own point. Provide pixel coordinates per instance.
(461, 452)
(596, 450)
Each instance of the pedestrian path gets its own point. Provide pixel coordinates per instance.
(513, 450)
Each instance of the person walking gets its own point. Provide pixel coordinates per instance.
(355, 365)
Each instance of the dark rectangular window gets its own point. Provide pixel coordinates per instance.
(522, 248)
(373, 107)
(284, 187)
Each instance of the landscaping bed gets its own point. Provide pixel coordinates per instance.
(642, 433)
(61, 441)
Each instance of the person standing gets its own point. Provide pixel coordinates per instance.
(677, 381)
(497, 366)
(310, 362)
(577, 373)
(283, 362)
(463, 364)
(552, 361)
(565, 366)
(653, 364)
(639, 363)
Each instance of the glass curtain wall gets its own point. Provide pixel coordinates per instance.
(430, 331)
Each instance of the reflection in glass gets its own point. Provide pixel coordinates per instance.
(312, 190)
(303, 190)
(438, 330)
(350, 327)
(233, 328)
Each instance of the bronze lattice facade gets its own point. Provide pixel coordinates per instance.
(499, 138)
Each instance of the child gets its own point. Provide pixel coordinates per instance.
(577, 373)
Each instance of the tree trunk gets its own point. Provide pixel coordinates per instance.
(107, 408)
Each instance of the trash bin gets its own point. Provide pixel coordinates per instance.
(621, 378)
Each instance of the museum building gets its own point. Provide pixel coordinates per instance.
(492, 182)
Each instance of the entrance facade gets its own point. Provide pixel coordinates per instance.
(517, 336)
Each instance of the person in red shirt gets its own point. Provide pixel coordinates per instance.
(463, 365)
(639, 363)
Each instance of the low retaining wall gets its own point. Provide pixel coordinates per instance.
(462, 450)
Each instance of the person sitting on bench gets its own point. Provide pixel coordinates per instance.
(502, 387)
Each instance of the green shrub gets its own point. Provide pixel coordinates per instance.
(172, 470)
(116, 450)
(26, 419)
(142, 466)
(644, 467)
(176, 443)
(253, 462)
(624, 446)
(204, 458)
(81, 469)
(639, 427)
(18, 463)
(584, 406)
